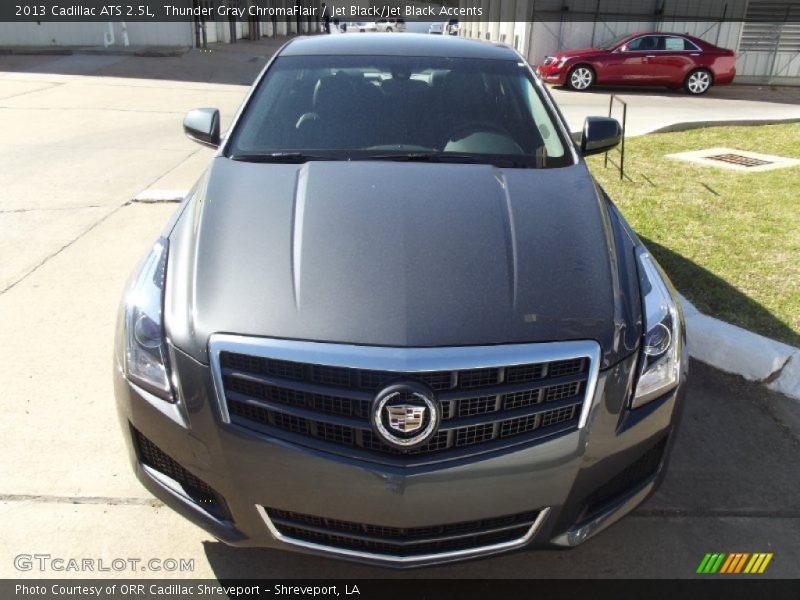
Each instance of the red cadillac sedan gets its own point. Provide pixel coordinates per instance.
(655, 59)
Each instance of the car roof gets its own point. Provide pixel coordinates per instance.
(667, 33)
(402, 44)
(694, 39)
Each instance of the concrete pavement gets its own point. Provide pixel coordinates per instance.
(82, 136)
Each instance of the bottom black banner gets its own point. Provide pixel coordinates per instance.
(401, 588)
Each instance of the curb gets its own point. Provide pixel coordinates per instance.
(687, 125)
(141, 51)
(728, 347)
(742, 352)
(36, 50)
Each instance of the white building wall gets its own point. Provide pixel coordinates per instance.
(506, 24)
(768, 67)
(725, 34)
(91, 34)
(522, 25)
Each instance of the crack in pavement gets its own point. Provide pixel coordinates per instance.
(777, 372)
(48, 208)
(47, 258)
(91, 227)
(108, 500)
(44, 89)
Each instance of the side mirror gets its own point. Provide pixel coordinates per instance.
(600, 134)
(202, 126)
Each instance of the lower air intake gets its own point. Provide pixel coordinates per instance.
(399, 541)
(197, 490)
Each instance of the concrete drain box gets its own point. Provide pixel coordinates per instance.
(735, 160)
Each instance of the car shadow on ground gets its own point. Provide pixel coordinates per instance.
(719, 298)
(756, 93)
(729, 475)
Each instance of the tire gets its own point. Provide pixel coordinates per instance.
(580, 78)
(389, 30)
(698, 82)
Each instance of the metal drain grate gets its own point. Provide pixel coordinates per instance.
(742, 161)
(735, 159)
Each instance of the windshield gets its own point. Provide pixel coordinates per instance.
(398, 107)
(609, 44)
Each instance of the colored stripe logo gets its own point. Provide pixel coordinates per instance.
(734, 563)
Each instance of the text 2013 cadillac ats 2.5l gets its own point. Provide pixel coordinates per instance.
(397, 321)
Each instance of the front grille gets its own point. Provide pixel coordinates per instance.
(196, 489)
(328, 407)
(402, 541)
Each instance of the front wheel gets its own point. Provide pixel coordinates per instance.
(697, 82)
(580, 78)
(389, 30)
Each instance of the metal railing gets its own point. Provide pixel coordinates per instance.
(621, 148)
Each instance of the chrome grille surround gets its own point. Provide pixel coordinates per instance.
(408, 559)
(472, 424)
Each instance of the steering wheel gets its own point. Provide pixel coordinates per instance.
(471, 127)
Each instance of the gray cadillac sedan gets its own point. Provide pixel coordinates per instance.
(397, 321)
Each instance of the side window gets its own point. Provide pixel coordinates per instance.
(635, 45)
(675, 44)
(690, 46)
(643, 44)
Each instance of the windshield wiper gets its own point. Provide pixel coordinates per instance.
(451, 157)
(279, 157)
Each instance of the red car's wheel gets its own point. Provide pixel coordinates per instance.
(580, 78)
(698, 82)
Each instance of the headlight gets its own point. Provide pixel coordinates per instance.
(661, 347)
(145, 355)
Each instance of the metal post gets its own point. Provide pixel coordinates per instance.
(721, 21)
(622, 148)
(610, 105)
(232, 22)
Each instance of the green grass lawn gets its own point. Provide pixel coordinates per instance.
(730, 241)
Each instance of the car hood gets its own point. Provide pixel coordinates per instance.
(395, 254)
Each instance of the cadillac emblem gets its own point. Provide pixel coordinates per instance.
(406, 418)
(405, 415)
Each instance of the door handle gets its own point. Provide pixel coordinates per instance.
(650, 56)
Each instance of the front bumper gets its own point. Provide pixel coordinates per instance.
(552, 74)
(578, 483)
